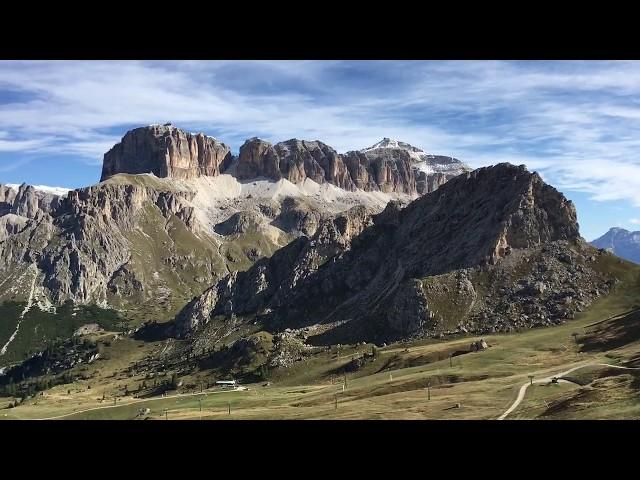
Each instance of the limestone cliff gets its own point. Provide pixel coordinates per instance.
(166, 151)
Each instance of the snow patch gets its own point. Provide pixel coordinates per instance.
(422, 161)
(57, 191)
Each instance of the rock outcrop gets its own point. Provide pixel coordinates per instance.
(272, 279)
(431, 171)
(295, 160)
(370, 277)
(26, 201)
(166, 151)
(389, 166)
(389, 171)
(7, 195)
(113, 243)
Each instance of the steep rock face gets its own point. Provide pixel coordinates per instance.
(93, 227)
(361, 171)
(109, 242)
(117, 204)
(472, 222)
(297, 160)
(392, 171)
(426, 183)
(294, 160)
(166, 151)
(26, 201)
(389, 166)
(621, 242)
(258, 158)
(272, 279)
(431, 171)
(7, 195)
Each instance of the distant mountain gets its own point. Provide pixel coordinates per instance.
(423, 161)
(430, 171)
(45, 189)
(389, 166)
(621, 242)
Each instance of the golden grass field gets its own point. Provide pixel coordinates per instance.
(394, 385)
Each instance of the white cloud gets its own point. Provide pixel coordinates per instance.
(634, 221)
(576, 122)
(20, 145)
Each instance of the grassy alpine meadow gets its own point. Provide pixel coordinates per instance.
(409, 380)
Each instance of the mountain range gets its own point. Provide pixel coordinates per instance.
(621, 242)
(187, 263)
(175, 212)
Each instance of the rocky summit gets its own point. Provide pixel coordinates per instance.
(621, 242)
(430, 171)
(491, 250)
(166, 151)
(297, 160)
(389, 166)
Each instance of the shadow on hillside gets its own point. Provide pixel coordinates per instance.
(153, 332)
(614, 333)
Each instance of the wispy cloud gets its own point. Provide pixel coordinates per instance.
(576, 122)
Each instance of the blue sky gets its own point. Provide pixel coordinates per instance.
(576, 122)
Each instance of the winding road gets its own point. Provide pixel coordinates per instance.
(523, 388)
(135, 402)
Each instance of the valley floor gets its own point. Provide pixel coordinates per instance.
(484, 384)
(395, 385)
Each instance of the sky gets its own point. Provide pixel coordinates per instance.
(574, 122)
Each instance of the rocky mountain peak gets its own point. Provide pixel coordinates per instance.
(391, 143)
(29, 201)
(373, 274)
(430, 171)
(166, 151)
(621, 242)
(389, 166)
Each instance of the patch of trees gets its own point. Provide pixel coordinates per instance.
(47, 368)
(29, 388)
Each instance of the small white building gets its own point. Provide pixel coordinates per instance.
(227, 383)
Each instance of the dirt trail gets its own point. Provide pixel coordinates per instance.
(134, 403)
(523, 388)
